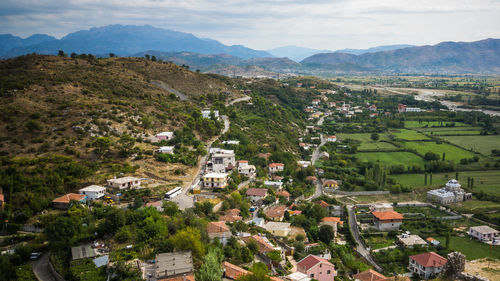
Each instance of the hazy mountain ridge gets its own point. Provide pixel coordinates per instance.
(8, 41)
(373, 49)
(128, 40)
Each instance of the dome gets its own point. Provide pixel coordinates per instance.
(453, 184)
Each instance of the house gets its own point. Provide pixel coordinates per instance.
(264, 155)
(372, 107)
(381, 207)
(330, 184)
(276, 167)
(207, 113)
(304, 164)
(281, 229)
(297, 276)
(215, 180)
(276, 213)
(256, 194)
(331, 139)
(264, 245)
(231, 216)
(316, 101)
(304, 146)
(284, 194)
(274, 184)
(82, 252)
(124, 182)
(323, 204)
(2, 201)
(64, 202)
(175, 264)
(401, 108)
(433, 241)
(451, 193)
(410, 240)
(311, 178)
(368, 275)
(336, 210)
(426, 265)
(258, 221)
(221, 161)
(93, 192)
(324, 155)
(484, 233)
(231, 142)
(158, 205)
(245, 169)
(232, 271)
(387, 221)
(317, 268)
(331, 221)
(166, 149)
(165, 136)
(219, 230)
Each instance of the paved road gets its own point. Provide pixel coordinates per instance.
(361, 247)
(166, 87)
(314, 158)
(41, 268)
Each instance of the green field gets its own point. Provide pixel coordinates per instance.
(427, 211)
(406, 134)
(439, 129)
(417, 124)
(481, 144)
(391, 158)
(456, 132)
(452, 152)
(367, 143)
(487, 181)
(472, 249)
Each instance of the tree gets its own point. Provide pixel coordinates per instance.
(153, 58)
(170, 208)
(425, 180)
(189, 239)
(252, 245)
(444, 156)
(274, 255)
(326, 234)
(101, 146)
(211, 269)
(74, 55)
(374, 136)
(121, 271)
(429, 156)
(61, 53)
(111, 55)
(126, 143)
(147, 56)
(259, 273)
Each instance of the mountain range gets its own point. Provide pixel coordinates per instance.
(208, 55)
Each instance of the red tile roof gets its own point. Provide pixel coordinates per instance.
(189, 277)
(388, 215)
(242, 161)
(283, 193)
(155, 204)
(310, 261)
(277, 212)
(261, 192)
(217, 227)
(332, 219)
(330, 182)
(233, 271)
(264, 247)
(322, 203)
(1, 197)
(228, 218)
(68, 197)
(430, 259)
(312, 178)
(272, 165)
(369, 275)
(233, 212)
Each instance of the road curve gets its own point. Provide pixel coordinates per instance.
(41, 269)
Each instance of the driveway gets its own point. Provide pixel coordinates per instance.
(41, 269)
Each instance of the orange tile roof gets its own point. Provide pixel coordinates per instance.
(310, 261)
(189, 277)
(229, 218)
(234, 271)
(242, 161)
(272, 165)
(68, 197)
(155, 204)
(1, 197)
(369, 275)
(233, 212)
(388, 215)
(430, 239)
(217, 227)
(283, 193)
(264, 247)
(276, 212)
(430, 259)
(332, 219)
(322, 203)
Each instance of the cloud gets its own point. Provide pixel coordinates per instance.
(262, 24)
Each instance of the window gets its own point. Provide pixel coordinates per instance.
(312, 275)
(328, 272)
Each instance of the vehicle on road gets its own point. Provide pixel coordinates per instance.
(35, 256)
(172, 193)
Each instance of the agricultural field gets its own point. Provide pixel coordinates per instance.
(427, 211)
(487, 181)
(409, 135)
(452, 152)
(481, 144)
(472, 249)
(367, 143)
(424, 124)
(391, 158)
(450, 129)
(455, 132)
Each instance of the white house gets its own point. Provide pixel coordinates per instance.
(219, 230)
(426, 265)
(166, 149)
(276, 167)
(281, 229)
(304, 164)
(256, 194)
(484, 233)
(331, 139)
(245, 169)
(222, 160)
(165, 136)
(93, 192)
(387, 221)
(215, 180)
(274, 184)
(207, 113)
(124, 182)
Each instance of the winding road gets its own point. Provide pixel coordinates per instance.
(314, 158)
(41, 268)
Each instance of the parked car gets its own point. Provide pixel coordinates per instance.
(34, 256)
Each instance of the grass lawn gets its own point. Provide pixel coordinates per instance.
(406, 134)
(472, 249)
(391, 158)
(456, 132)
(452, 152)
(367, 142)
(487, 181)
(475, 205)
(448, 129)
(427, 211)
(378, 242)
(481, 144)
(415, 124)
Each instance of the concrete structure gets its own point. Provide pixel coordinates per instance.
(433, 241)
(258, 222)
(221, 161)
(403, 108)
(484, 233)
(324, 155)
(124, 182)
(381, 207)
(317, 268)
(207, 113)
(297, 276)
(215, 180)
(231, 142)
(426, 265)
(219, 230)
(387, 221)
(93, 192)
(274, 184)
(176, 264)
(336, 210)
(331, 221)
(451, 193)
(276, 213)
(158, 205)
(276, 167)
(281, 229)
(245, 169)
(166, 149)
(304, 164)
(256, 194)
(82, 252)
(409, 241)
(64, 202)
(331, 139)
(165, 136)
(330, 184)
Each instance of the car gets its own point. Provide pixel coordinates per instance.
(35, 256)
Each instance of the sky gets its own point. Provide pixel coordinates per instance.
(266, 24)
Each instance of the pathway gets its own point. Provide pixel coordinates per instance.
(41, 268)
(167, 88)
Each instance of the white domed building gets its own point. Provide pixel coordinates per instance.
(451, 193)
